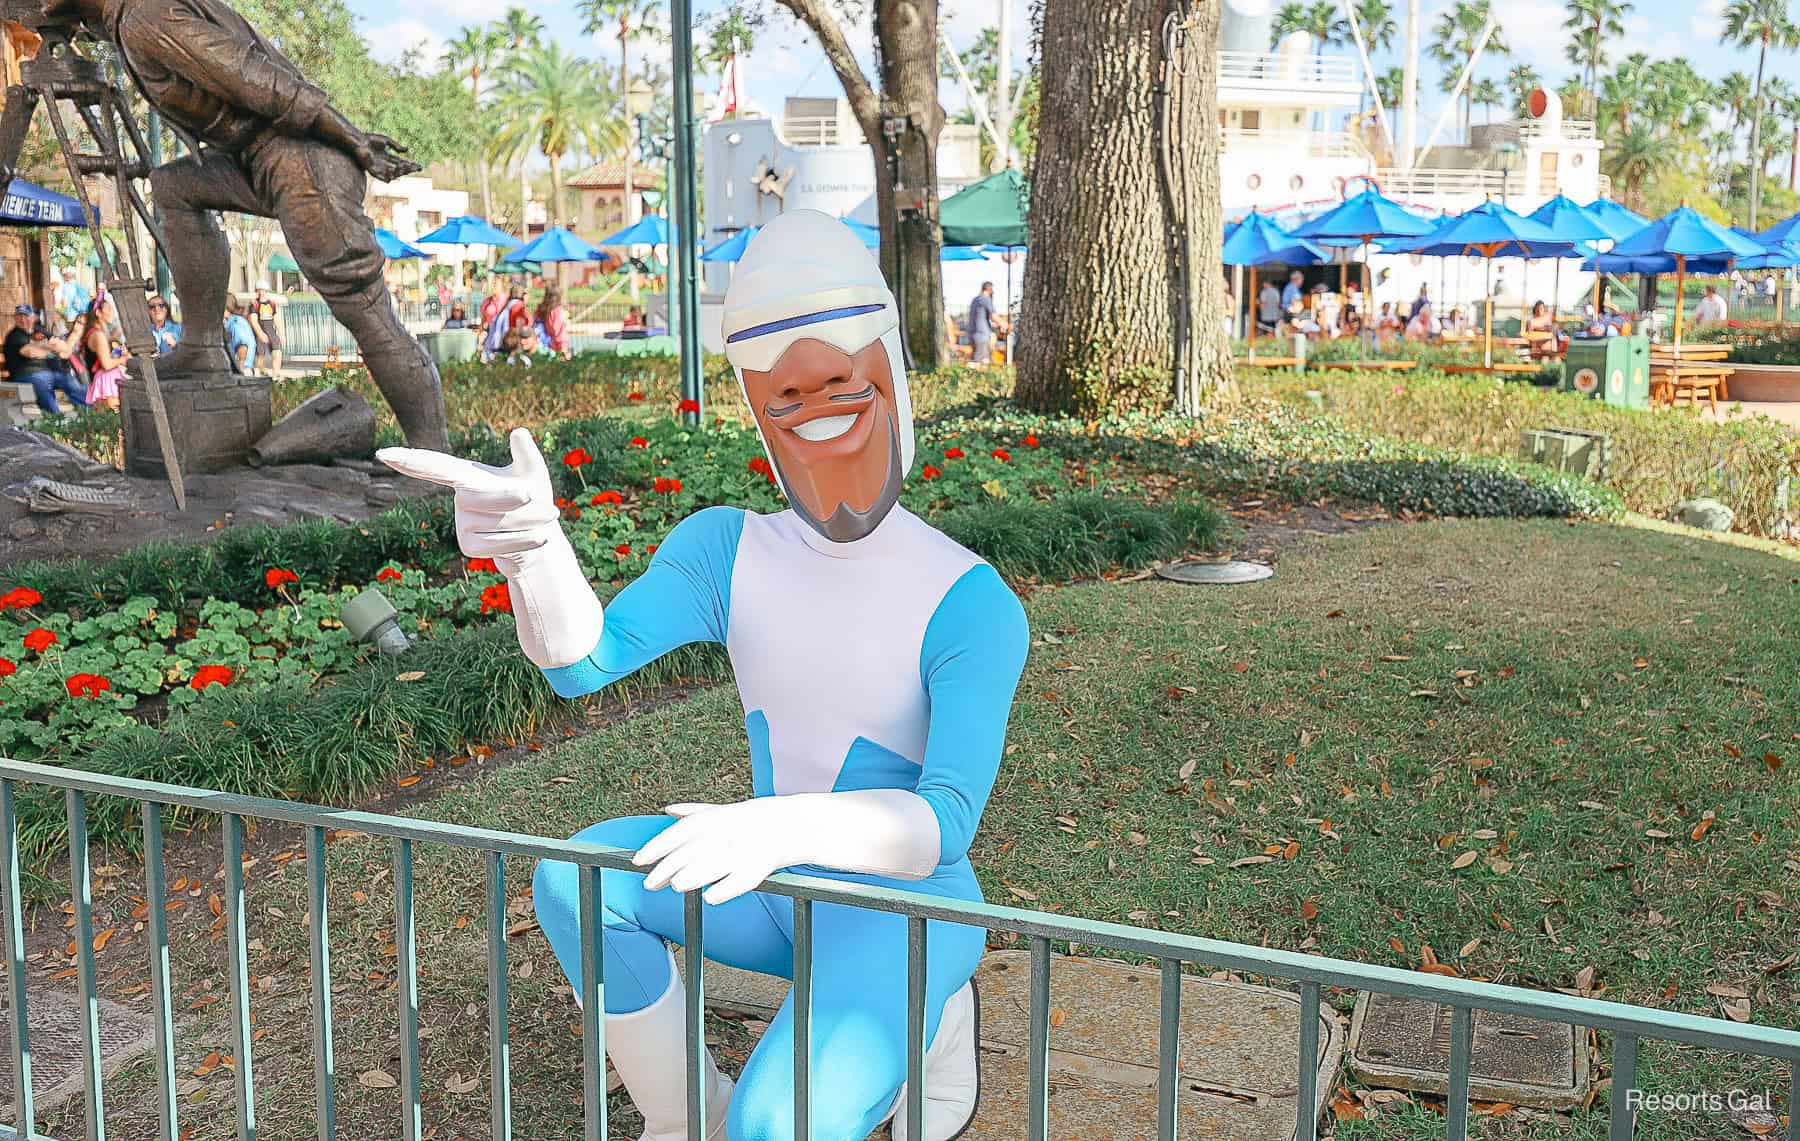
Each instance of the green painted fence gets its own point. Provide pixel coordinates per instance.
(1628, 1025)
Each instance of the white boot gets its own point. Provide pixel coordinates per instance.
(648, 1048)
(952, 1071)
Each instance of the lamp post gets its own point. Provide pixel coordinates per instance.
(660, 148)
(638, 101)
(685, 217)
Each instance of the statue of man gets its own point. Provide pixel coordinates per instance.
(272, 146)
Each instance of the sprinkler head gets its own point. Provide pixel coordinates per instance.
(371, 618)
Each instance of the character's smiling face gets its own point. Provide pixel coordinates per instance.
(832, 426)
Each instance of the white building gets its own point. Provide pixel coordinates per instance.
(413, 206)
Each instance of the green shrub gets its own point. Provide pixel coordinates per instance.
(1081, 535)
(1659, 457)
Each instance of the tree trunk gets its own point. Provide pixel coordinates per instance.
(1124, 287)
(481, 163)
(1756, 155)
(911, 242)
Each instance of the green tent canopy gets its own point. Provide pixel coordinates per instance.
(282, 263)
(987, 213)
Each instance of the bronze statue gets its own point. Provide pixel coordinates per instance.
(270, 144)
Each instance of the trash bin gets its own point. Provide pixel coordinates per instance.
(1613, 369)
(447, 345)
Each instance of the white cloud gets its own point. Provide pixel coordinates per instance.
(389, 41)
(1533, 30)
(1654, 39)
(1708, 20)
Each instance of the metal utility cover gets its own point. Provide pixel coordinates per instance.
(1216, 574)
(1404, 1043)
(57, 1050)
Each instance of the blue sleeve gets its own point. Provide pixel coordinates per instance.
(683, 596)
(973, 653)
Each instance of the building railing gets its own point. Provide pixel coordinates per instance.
(819, 131)
(1580, 130)
(1277, 68)
(1628, 1024)
(1311, 144)
(1423, 182)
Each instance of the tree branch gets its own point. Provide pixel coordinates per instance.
(865, 104)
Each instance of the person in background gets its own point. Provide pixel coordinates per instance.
(163, 327)
(105, 357)
(952, 338)
(1387, 323)
(34, 358)
(1456, 323)
(1293, 290)
(493, 302)
(1268, 308)
(458, 319)
(443, 296)
(1422, 301)
(1711, 310)
(265, 315)
(72, 297)
(551, 322)
(1541, 332)
(981, 326)
(1422, 326)
(240, 338)
(634, 320)
(1353, 302)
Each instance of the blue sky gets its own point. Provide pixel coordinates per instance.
(787, 62)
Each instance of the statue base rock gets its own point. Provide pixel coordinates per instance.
(214, 416)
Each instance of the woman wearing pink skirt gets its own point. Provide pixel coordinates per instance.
(105, 360)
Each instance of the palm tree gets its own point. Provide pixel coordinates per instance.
(475, 50)
(1766, 24)
(1592, 23)
(1378, 25)
(1319, 21)
(521, 28)
(1521, 80)
(1486, 94)
(557, 103)
(1391, 84)
(1735, 93)
(1638, 155)
(1453, 41)
(1290, 19)
(632, 18)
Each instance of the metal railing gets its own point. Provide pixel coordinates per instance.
(1576, 129)
(1425, 182)
(1279, 69)
(819, 131)
(1311, 144)
(1628, 1024)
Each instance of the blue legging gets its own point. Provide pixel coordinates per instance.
(859, 979)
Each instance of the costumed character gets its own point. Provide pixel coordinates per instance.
(876, 660)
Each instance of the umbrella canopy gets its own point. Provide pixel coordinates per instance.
(1569, 222)
(1685, 233)
(553, 245)
(650, 230)
(869, 235)
(963, 253)
(1365, 217)
(1786, 230)
(469, 230)
(1654, 263)
(282, 263)
(28, 204)
(1775, 255)
(1492, 231)
(393, 247)
(991, 211)
(1618, 222)
(732, 248)
(1257, 240)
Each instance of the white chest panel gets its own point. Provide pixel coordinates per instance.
(827, 648)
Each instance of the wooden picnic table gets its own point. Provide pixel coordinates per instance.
(1372, 366)
(1670, 382)
(1667, 354)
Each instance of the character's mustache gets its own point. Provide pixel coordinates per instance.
(775, 413)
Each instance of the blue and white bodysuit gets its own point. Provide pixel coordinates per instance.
(886, 663)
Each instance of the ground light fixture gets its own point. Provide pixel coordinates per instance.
(1228, 573)
(371, 618)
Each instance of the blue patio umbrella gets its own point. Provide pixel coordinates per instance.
(394, 247)
(1489, 231)
(1256, 240)
(554, 245)
(1573, 222)
(963, 253)
(1778, 254)
(1688, 237)
(650, 230)
(469, 230)
(1618, 222)
(1653, 264)
(1364, 219)
(732, 248)
(1786, 230)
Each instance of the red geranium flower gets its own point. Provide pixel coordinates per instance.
(8, 667)
(496, 598)
(761, 466)
(604, 497)
(564, 503)
(483, 566)
(651, 549)
(576, 457)
(86, 685)
(1002, 454)
(954, 453)
(19, 597)
(635, 396)
(275, 577)
(622, 550)
(211, 675)
(688, 406)
(667, 486)
(639, 442)
(1030, 441)
(930, 471)
(387, 574)
(39, 640)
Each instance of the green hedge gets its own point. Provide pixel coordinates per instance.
(1659, 457)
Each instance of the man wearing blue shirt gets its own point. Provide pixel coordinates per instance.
(1292, 292)
(163, 327)
(240, 338)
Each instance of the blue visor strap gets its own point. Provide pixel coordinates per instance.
(787, 323)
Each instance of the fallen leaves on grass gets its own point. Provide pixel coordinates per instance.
(1464, 860)
(456, 1083)
(376, 1079)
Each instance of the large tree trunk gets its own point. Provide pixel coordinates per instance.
(1757, 163)
(1124, 289)
(906, 51)
(481, 162)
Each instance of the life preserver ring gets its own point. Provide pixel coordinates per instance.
(1344, 191)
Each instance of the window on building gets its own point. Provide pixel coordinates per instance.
(430, 220)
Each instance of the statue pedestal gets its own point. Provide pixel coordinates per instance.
(213, 416)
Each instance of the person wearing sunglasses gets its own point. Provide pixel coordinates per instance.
(165, 328)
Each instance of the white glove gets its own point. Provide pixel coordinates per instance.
(510, 515)
(734, 847)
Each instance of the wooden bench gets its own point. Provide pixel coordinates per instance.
(1371, 366)
(1670, 383)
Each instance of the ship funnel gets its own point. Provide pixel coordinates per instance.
(1246, 26)
(1545, 108)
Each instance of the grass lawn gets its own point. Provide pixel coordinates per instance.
(1605, 718)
